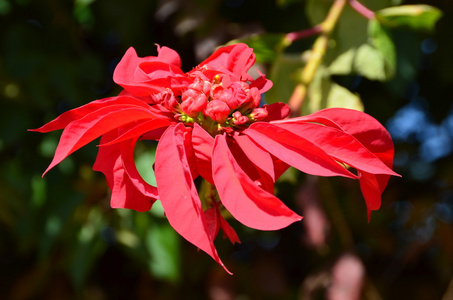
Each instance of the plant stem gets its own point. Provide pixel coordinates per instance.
(298, 35)
(208, 194)
(317, 54)
(361, 9)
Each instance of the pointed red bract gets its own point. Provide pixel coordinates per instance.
(369, 133)
(260, 157)
(180, 201)
(237, 58)
(80, 132)
(257, 208)
(136, 75)
(202, 144)
(295, 150)
(129, 190)
(226, 228)
(138, 130)
(215, 222)
(263, 179)
(340, 145)
(75, 114)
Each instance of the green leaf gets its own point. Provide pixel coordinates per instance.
(417, 17)
(266, 46)
(284, 74)
(342, 65)
(381, 40)
(324, 93)
(369, 63)
(371, 55)
(350, 33)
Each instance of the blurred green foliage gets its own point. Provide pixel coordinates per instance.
(59, 238)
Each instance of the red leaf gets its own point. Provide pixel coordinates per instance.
(202, 143)
(237, 58)
(340, 145)
(279, 166)
(262, 178)
(215, 221)
(366, 129)
(295, 150)
(212, 222)
(178, 193)
(77, 113)
(129, 74)
(259, 157)
(129, 190)
(169, 56)
(277, 111)
(82, 131)
(371, 190)
(262, 83)
(188, 148)
(248, 203)
(227, 229)
(138, 130)
(372, 135)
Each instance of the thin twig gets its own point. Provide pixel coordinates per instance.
(362, 9)
(316, 56)
(298, 35)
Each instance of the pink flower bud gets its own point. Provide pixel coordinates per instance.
(240, 91)
(225, 95)
(217, 110)
(239, 119)
(255, 96)
(193, 103)
(259, 114)
(253, 99)
(166, 98)
(190, 93)
(201, 86)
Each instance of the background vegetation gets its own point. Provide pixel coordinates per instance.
(59, 238)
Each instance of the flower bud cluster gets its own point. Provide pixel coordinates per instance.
(226, 103)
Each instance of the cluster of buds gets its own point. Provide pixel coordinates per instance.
(219, 101)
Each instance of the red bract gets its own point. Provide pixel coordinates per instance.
(207, 123)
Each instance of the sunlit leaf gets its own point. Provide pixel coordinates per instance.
(382, 41)
(373, 56)
(342, 65)
(324, 93)
(284, 74)
(418, 17)
(368, 62)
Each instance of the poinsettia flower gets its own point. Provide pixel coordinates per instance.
(208, 123)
